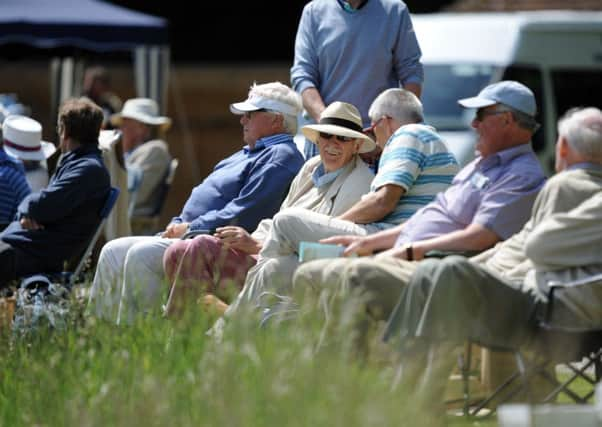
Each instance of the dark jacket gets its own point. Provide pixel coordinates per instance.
(68, 209)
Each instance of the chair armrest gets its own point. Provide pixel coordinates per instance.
(554, 287)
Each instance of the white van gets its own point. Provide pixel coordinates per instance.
(557, 54)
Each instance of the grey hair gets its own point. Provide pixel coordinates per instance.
(582, 128)
(399, 104)
(523, 120)
(280, 92)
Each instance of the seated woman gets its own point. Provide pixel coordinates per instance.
(215, 265)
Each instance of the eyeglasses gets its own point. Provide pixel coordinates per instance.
(481, 114)
(337, 137)
(370, 130)
(249, 114)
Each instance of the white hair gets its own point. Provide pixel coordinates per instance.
(280, 92)
(582, 128)
(399, 104)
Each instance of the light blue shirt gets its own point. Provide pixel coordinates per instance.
(496, 192)
(320, 177)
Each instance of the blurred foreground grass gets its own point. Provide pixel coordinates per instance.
(160, 372)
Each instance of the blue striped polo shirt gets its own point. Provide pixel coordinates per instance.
(418, 160)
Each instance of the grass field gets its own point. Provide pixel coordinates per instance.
(160, 372)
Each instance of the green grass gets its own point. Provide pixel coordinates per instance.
(160, 372)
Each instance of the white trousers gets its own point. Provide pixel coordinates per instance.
(279, 258)
(129, 278)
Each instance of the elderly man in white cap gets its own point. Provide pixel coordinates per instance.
(242, 189)
(23, 140)
(414, 166)
(146, 155)
(489, 200)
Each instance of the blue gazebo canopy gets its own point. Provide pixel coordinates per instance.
(87, 24)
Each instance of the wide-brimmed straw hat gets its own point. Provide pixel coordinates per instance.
(342, 119)
(22, 137)
(144, 110)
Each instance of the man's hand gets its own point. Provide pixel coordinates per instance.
(173, 231)
(238, 238)
(30, 224)
(355, 245)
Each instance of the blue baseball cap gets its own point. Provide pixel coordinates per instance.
(507, 92)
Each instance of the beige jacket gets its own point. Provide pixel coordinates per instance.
(152, 159)
(332, 199)
(562, 240)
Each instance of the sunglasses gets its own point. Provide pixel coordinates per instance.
(337, 137)
(481, 114)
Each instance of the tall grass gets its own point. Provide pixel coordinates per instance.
(161, 372)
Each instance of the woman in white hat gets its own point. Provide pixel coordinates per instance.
(22, 139)
(146, 154)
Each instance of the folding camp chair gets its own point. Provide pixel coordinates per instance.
(146, 222)
(45, 298)
(574, 344)
(72, 271)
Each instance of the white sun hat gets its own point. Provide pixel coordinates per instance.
(144, 110)
(22, 138)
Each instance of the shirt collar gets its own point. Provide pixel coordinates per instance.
(347, 8)
(320, 177)
(505, 156)
(586, 165)
(80, 151)
(268, 141)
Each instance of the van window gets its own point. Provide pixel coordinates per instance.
(444, 84)
(576, 88)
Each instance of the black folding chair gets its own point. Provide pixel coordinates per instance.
(575, 344)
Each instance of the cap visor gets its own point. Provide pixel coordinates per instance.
(242, 107)
(476, 102)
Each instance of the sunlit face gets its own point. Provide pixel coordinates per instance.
(336, 153)
(133, 133)
(488, 123)
(256, 125)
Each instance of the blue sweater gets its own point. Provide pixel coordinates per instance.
(244, 188)
(13, 186)
(353, 57)
(68, 209)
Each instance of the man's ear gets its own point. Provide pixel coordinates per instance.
(563, 146)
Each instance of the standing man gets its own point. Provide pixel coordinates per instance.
(352, 50)
(54, 224)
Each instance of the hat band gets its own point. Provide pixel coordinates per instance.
(21, 147)
(341, 122)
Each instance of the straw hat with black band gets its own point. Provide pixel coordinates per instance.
(342, 119)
